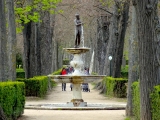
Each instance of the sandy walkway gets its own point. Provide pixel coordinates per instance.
(58, 96)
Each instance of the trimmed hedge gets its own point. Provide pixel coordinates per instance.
(20, 73)
(124, 71)
(155, 96)
(12, 99)
(36, 86)
(58, 72)
(115, 86)
(136, 100)
(155, 101)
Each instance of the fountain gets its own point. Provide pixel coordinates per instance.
(77, 77)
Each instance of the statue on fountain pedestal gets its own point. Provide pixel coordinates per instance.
(78, 31)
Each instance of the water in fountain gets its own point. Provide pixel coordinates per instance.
(82, 37)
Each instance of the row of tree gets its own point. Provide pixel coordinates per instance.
(107, 38)
(106, 21)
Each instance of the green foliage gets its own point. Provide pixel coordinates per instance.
(19, 60)
(31, 11)
(115, 86)
(20, 73)
(127, 118)
(12, 99)
(53, 84)
(130, 118)
(19, 70)
(58, 72)
(125, 68)
(107, 3)
(124, 71)
(155, 103)
(36, 86)
(93, 73)
(65, 62)
(136, 100)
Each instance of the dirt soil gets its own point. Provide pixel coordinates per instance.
(59, 96)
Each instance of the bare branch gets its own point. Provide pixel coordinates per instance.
(103, 9)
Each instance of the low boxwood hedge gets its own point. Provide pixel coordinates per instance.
(124, 71)
(12, 99)
(57, 72)
(20, 73)
(136, 100)
(115, 87)
(155, 101)
(155, 97)
(36, 86)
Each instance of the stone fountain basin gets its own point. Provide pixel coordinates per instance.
(76, 50)
(76, 79)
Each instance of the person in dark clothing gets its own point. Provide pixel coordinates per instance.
(63, 86)
(71, 86)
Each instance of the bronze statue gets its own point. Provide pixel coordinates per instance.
(78, 31)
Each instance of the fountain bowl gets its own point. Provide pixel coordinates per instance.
(75, 79)
(77, 50)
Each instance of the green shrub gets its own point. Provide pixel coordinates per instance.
(12, 99)
(53, 83)
(58, 72)
(36, 86)
(155, 103)
(115, 87)
(65, 62)
(136, 100)
(124, 71)
(20, 73)
(19, 60)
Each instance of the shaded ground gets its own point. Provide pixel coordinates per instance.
(59, 96)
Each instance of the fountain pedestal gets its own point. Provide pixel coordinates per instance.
(77, 77)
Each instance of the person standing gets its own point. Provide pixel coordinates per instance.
(63, 72)
(71, 86)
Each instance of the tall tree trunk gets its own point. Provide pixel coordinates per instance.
(11, 43)
(102, 41)
(26, 55)
(52, 19)
(3, 44)
(55, 55)
(113, 36)
(149, 55)
(118, 27)
(116, 72)
(133, 62)
(45, 38)
(38, 47)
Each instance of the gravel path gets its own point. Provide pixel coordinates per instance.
(59, 96)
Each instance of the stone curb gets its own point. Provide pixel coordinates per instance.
(89, 107)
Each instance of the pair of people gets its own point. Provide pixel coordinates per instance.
(85, 87)
(63, 72)
(66, 71)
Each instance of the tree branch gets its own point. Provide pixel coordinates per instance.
(103, 9)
